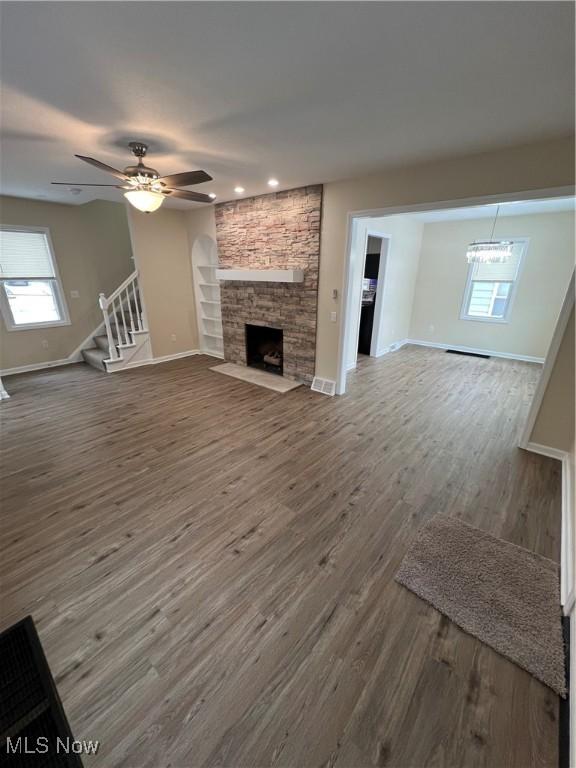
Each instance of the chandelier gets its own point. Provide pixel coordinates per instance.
(490, 251)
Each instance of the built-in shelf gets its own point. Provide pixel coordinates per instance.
(261, 275)
(207, 289)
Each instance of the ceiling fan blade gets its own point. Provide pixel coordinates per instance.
(75, 184)
(187, 179)
(185, 194)
(103, 167)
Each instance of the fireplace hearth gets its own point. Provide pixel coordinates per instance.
(264, 348)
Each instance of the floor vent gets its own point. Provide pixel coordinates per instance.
(29, 703)
(468, 354)
(324, 386)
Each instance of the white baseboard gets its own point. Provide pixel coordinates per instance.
(135, 364)
(545, 450)
(74, 357)
(475, 350)
(394, 347)
(161, 359)
(176, 356)
(37, 366)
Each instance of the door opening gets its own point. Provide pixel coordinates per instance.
(367, 290)
(369, 293)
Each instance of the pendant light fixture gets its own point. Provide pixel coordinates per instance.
(490, 251)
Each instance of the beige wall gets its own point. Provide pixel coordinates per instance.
(162, 253)
(544, 276)
(92, 249)
(200, 222)
(514, 169)
(400, 280)
(554, 425)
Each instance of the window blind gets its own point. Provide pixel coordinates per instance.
(24, 255)
(507, 271)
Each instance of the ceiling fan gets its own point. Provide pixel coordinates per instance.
(145, 188)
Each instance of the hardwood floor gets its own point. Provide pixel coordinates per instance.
(211, 564)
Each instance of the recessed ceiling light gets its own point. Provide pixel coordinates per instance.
(273, 182)
(212, 195)
(239, 190)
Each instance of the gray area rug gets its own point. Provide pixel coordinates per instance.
(504, 595)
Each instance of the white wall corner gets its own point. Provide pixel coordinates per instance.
(557, 337)
(572, 684)
(568, 541)
(567, 534)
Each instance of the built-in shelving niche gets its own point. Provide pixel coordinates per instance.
(207, 292)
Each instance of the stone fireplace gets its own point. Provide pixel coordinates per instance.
(264, 348)
(276, 231)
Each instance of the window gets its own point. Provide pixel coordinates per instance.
(490, 288)
(31, 293)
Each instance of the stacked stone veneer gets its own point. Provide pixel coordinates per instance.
(277, 231)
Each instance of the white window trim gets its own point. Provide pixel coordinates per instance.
(468, 289)
(60, 296)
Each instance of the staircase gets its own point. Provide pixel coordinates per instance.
(122, 340)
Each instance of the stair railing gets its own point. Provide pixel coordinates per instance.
(123, 313)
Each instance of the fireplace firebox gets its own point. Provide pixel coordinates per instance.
(264, 348)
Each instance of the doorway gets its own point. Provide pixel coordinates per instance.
(359, 222)
(372, 290)
(367, 292)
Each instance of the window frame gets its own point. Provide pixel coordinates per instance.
(524, 241)
(59, 295)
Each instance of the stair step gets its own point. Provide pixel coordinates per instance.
(102, 343)
(95, 357)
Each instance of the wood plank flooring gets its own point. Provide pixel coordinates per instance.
(211, 564)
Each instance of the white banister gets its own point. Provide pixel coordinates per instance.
(126, 338)
(126, 298)
(115, 318)
(139, 318)
(129, 307)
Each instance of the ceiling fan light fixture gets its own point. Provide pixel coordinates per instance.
(144, 200)
(146, 189)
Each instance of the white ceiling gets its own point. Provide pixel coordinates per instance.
(306, 92)
(520, 208)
